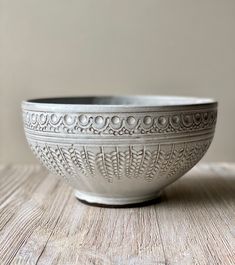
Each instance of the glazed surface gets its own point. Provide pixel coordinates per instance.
(121, 153)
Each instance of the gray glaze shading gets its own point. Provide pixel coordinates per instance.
(119, 150)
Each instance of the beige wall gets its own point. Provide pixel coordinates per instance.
(75, 47)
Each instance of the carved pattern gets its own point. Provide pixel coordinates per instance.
(147, 163)
(119, 124)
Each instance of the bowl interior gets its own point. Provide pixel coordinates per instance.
(125, 100)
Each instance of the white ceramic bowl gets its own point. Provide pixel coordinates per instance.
(119, 150)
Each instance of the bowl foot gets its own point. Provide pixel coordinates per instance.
(98, 200)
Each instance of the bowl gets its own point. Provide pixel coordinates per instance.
(119, 150)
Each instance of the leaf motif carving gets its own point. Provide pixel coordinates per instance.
(146, 163)
(153, 166)
(102, 167)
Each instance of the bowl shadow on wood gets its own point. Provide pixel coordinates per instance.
(195, 190)
(200, 190)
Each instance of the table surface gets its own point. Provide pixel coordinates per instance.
(193, 222)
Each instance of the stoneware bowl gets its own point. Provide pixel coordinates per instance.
(119, 150)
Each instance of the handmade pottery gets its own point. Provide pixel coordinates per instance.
(119, 150)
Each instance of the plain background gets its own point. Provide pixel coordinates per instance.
(75, 47)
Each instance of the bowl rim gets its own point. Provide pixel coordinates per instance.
(184, 102)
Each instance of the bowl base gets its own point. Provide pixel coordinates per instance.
(98, 200)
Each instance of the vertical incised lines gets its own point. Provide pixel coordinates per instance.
(145, 163)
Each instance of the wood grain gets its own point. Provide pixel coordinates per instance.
(41, 222)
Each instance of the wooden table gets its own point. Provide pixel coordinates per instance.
(41, 222)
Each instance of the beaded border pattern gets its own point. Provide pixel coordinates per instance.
(119, 124)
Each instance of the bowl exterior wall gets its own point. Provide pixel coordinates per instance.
(119, 154)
